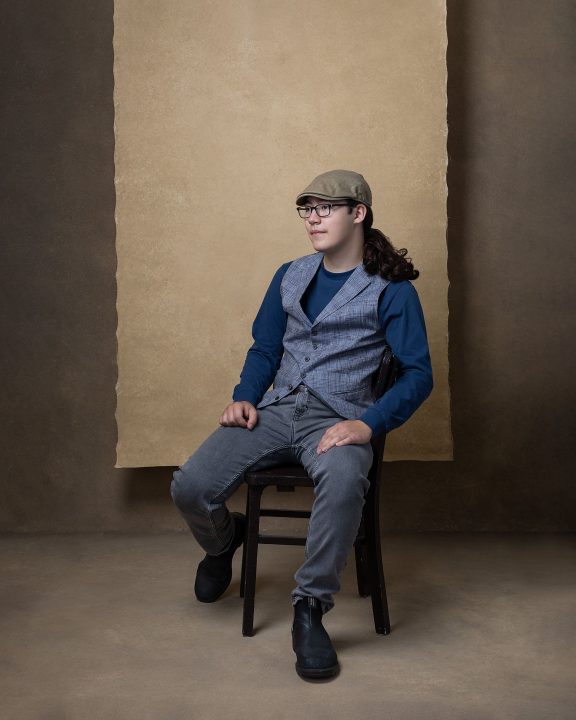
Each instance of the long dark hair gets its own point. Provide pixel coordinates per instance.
(382, 258)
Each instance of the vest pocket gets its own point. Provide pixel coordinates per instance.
(351, 392)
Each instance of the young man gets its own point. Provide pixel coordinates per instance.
(319, 337)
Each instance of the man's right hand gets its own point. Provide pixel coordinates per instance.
(240, 414)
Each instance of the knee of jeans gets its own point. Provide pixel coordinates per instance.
(184, 491)
(342, 488)
(353, 491)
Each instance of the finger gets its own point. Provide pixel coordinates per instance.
(325, 445)
(321, 443)
(330, 437)
(228, 419)
(331, 434)
(345, 441)
(240, 415)
(252, 417)
(349, 439)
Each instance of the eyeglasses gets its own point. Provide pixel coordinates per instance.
(323, 210)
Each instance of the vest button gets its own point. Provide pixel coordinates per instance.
(303, 375)
(277, 397)
(306, 359)
(290, 387)
(315, 347)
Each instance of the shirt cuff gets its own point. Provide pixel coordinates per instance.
(374, 420)
(243, 394)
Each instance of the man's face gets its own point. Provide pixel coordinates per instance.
(331, 233)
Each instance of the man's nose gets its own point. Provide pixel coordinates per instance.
(314, 217)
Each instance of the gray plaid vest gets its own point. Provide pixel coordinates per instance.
(336, 355)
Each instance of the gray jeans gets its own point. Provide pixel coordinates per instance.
(286, 431)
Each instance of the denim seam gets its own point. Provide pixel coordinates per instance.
(316, 457)
(310, 475)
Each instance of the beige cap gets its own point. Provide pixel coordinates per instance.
(338, 185)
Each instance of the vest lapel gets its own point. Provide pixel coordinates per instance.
(354, 285)
(306, 276)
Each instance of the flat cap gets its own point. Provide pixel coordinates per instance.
(338, 185)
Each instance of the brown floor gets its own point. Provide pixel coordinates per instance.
(105, 626)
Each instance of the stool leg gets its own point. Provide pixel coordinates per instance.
(362, 577)
(243, 572)
(251, 549)
(376, 572)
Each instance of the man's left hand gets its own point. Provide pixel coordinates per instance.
(347, 432)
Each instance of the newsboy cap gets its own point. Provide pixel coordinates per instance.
(338, 185)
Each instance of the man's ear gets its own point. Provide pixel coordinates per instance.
(359, 213)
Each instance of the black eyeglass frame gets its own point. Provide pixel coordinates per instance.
(312, 208)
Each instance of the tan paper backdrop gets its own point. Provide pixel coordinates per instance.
(224, 111)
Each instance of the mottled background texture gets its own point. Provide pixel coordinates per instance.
(243, 104)
(511, 176)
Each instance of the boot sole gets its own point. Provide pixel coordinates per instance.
(317, 673)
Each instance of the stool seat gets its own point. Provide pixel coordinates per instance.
(291, 475)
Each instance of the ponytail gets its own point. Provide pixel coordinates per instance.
(382, 258)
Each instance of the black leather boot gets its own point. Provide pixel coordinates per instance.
(315, 656)
(215, 571)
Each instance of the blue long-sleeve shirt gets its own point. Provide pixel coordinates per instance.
(401, 319)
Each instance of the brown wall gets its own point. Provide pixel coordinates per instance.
(511, 242)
